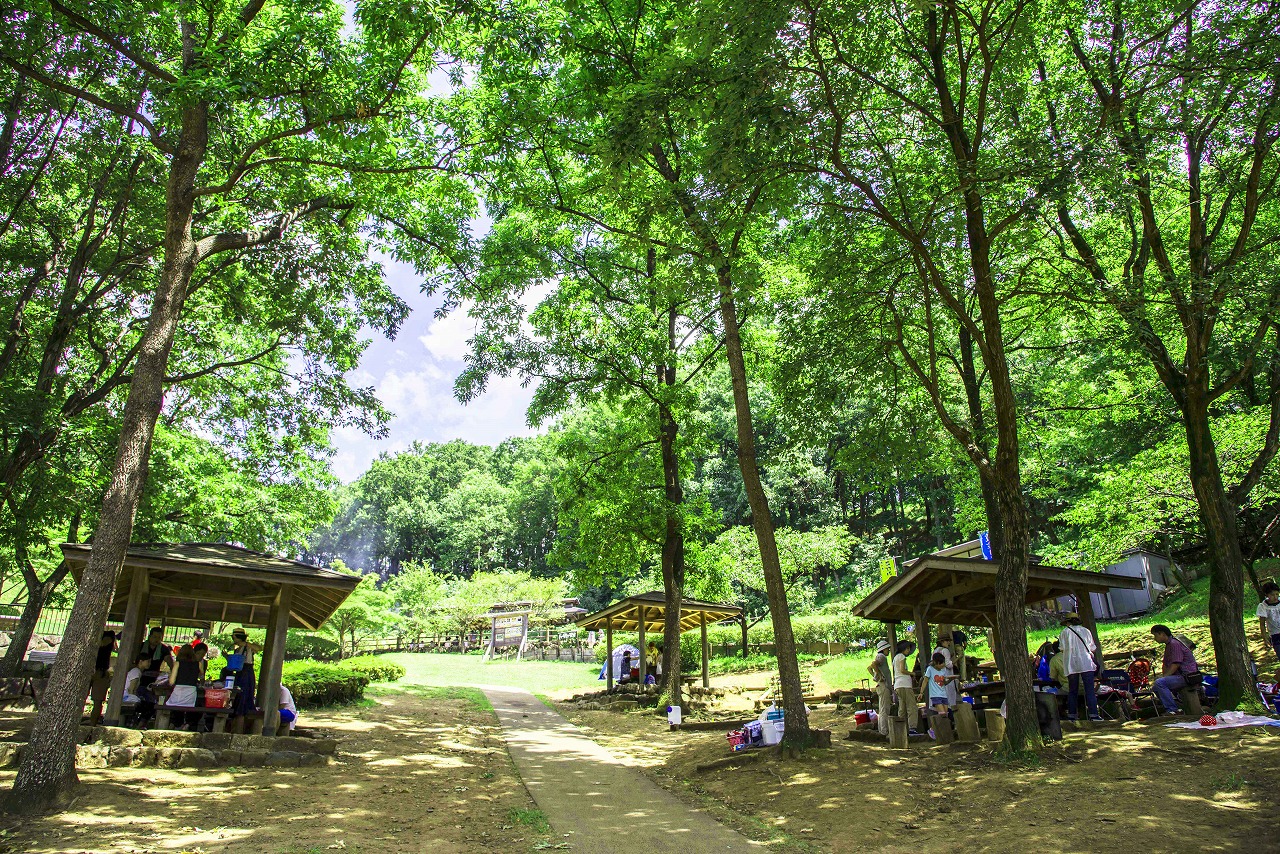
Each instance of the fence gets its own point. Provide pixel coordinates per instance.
(53, 622)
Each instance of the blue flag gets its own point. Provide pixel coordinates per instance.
(985, 542)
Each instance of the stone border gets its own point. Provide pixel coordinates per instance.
(117, 747)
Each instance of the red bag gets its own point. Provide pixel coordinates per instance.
(216, 698)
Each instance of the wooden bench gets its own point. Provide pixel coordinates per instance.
(220, 715)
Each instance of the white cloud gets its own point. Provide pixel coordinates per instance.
(449, 337)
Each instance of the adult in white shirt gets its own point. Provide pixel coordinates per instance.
(1077, 649)
(902, 685)
(288, 711)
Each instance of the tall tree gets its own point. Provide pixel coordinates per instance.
(659, 122)
(919, 123)
(1166, 117)
(623, 324)
(269, 118)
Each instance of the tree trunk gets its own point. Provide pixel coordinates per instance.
(1022, 728)
(47, 776)
(672, 558)
(797, 731)
(1226, 579)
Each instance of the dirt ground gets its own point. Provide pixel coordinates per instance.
(415, 773)
(1125, 788)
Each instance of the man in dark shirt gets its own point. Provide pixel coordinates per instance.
(201, 650)
(1179, 662)
(159, 653)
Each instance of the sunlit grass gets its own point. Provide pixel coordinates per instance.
(452, 670)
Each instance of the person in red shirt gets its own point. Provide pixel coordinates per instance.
(1178, 663)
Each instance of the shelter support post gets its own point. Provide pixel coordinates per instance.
(608, 653)
(272, 667)
(706, 654)
(892, 636)
(135, 623)
(1084, 607)
(743, 621)
(923, 649)
(641, 613)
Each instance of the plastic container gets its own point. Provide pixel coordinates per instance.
(216, 698)
(863, 717)
(772, 731)
(235, 661)
(673, 715)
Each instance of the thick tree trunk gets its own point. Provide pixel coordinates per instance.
(1022, 728)
(1226, 579)
(797, 730)
(48, 775)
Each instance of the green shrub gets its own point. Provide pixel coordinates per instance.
(378, 669)
(318, 684)
(297, 644)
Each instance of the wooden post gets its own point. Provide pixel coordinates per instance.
(608, 653)
(641, 613)
(1084, 607)
(923, 649)
(898, 732)
(706, 664)
(135, 624)
(995, 725)
(966, 724)
(942, 729)
(892, 633)
(744, 634)
(1191, 702)
(272, 666)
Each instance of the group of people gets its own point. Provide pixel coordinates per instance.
(895, 679)
(646, 673)
(1072, 661)
(157, 666)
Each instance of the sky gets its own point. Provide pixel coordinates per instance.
(414, 377)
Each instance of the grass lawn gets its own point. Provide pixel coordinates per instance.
(442, 670)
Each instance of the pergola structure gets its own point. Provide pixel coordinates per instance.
(961, 591)
(647, 612)
(197, 584)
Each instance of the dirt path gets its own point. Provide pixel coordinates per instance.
(417, 772)
(592, 796)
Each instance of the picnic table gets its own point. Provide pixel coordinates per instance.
(164, 711)
(987, 693)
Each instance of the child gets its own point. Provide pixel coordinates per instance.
(936, 677)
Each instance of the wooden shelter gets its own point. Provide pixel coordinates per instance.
(647, 612)
(196, 584)
(961, 591)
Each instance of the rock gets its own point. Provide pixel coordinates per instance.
(91, 755)
(624, 706)
(304, 745)
(10, 753)
(170, 738)
(253, 758)
(118, 757)
(284, 759)
(216, 740)
(230, 757)
(117, 736)
(89, 734)
(185, 757)
(306, 759)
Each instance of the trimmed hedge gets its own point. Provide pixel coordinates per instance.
(314, 683)
(297, 645)
(378, 669)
